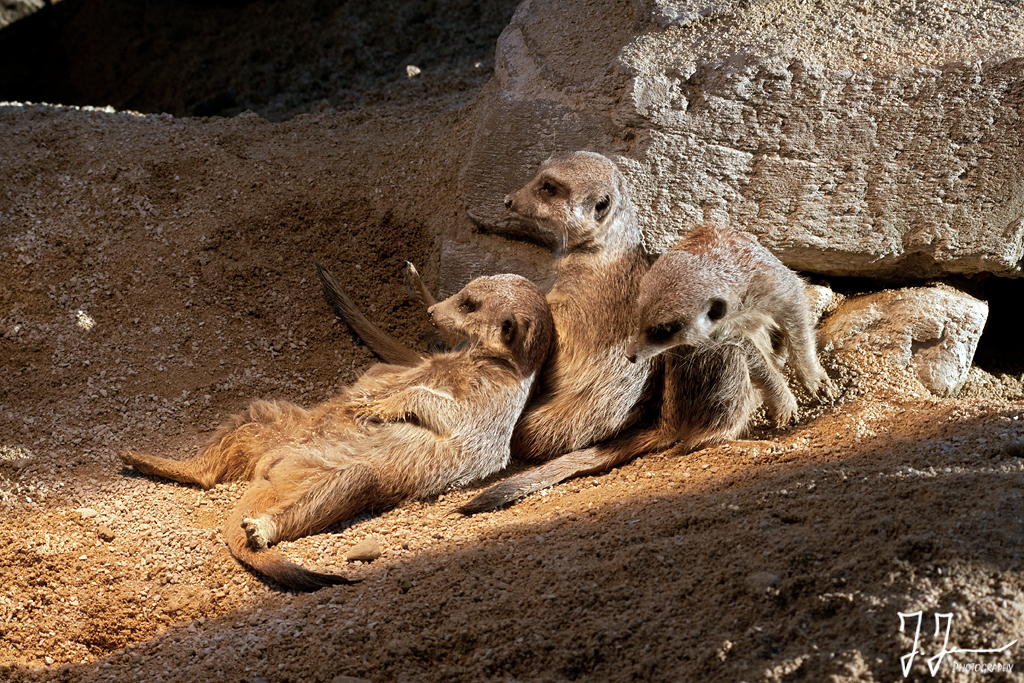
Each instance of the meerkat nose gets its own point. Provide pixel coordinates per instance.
(508, 202)
(631, 357)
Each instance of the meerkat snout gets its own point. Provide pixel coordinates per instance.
(508, 202)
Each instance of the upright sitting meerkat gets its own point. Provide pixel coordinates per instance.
(399, 432)
(590, 390)
(725, 315)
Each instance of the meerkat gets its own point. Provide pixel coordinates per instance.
(720, 285)
(399, 432)
(590, 391)
(725, 315)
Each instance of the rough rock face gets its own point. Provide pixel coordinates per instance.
(932, 330)
(852, 139)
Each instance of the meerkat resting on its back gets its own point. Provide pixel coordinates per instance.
(399, 432)
(589, 390)
(724, 315)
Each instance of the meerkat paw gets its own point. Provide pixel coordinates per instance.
(368, 413)
(826, 389)
(383, 410)
(259, 531)
(782, 410)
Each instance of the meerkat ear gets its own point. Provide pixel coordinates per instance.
(602, 206)
(509, 331)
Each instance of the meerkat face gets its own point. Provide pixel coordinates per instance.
(506, 314)
(575, 198)
(682, 301)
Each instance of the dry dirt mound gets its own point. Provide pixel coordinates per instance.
(156, 273)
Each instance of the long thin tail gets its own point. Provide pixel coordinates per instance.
(270, 563)
(385, 346)
(594, 460)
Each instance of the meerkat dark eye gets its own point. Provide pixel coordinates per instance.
(658, 334)
(718, 309)
(508, 331)
(468, 305)
(549, 188)
(601, 208)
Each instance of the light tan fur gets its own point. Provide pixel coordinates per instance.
(399, 432)
(589, 390)
(718, 285)
(724, 315)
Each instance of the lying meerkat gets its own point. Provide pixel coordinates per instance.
(725, 314)
(399, 432)
(589, 390)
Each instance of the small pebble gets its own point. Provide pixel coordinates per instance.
(105, 533)
(367, 550)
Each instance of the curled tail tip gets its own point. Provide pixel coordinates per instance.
(279, 569)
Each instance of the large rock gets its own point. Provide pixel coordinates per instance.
(933, 331)
(852, 138)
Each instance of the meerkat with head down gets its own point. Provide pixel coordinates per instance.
(718, 285)
(399, 432)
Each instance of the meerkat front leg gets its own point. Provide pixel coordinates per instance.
(772, 384)
(415, 282)
(429, 407)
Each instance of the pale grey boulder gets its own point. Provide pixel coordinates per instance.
(933, 331)
(860, 139)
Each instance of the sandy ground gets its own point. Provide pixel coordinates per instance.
(157, 273)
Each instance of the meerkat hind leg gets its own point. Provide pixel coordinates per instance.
(191, 471)
(321, 499)
(772, 384)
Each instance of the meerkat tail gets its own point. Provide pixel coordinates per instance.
(270, 563)
(594, 460)
(385, 346)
